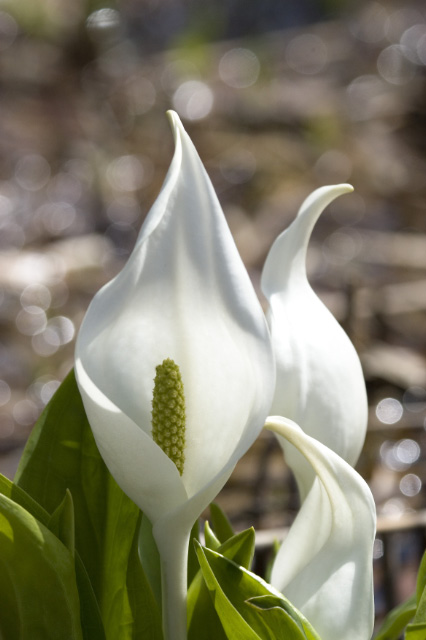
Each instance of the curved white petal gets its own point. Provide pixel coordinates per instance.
(136, 462)
(183, 294)
(325, 565)
(320, 384)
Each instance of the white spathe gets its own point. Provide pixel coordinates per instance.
(325, 564)
(320, 384)
(184, 294)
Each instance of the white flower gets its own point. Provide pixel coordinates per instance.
(320, 384)
(183, 295)
(325, 564)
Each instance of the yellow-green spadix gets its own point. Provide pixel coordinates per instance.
(183, 295)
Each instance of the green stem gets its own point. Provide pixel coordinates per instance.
(172, 542)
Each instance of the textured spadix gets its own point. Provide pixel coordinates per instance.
(320, 384)
(184, 294)
(324, 566)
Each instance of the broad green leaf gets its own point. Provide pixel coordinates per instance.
(220, 523)
(38, 591)
(203, 621)
(280, 612)
(396, 621)
(416, 631)
(21, 497)
(231, 588)
(234, 624)
(61, 454)
(61, 523)
(90, 616)
(277, 621)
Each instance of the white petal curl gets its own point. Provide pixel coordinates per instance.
(183, 294)
(325, 564)
(320, 383)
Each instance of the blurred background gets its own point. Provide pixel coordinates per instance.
(279, 98)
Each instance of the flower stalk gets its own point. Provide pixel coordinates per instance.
(173, 552)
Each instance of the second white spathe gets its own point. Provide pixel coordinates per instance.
(320, 384)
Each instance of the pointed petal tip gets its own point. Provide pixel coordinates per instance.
(319, 199)
(174, 121)
(281, 263)
(343, 188)
(329, 192)
(172, 116)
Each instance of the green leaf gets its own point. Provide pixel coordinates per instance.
(61, 454)
(210, 539)
(271, 559)
(193, 566)
(396, 621)
(240, 548)
(21, 497)
(90, 616)
(138, 588)
(203, 621)
(278, 623)
(220, 523)
(150, 558)
(232, 589)
(61, 522)
(420, 616)
(416, 631)
(234, 624)
(278, 612)
(421, 579)
(421, 609)
(38, 591)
